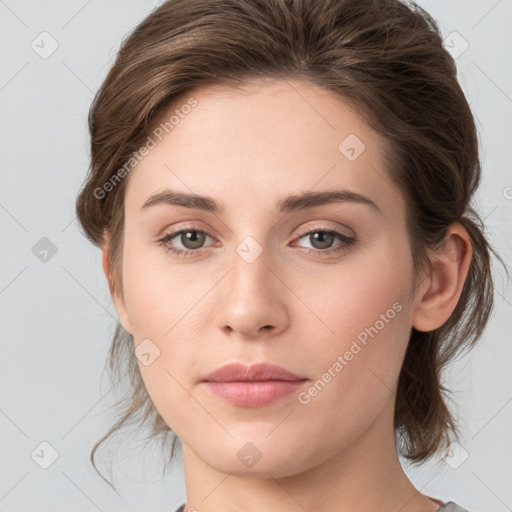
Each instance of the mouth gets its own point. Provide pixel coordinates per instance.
(253, 393)
(252, 386)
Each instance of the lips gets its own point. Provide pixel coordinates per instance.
(252, 386)
(236, 372)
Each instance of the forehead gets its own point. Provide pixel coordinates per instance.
(258, 142)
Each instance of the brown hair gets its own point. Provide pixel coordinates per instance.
(383, 57)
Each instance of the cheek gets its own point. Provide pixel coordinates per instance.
(165, 304)
(364, 317)
(351, 297)
(158, 294)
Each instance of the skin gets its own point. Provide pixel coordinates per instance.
(249, 149)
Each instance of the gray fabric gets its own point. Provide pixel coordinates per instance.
(447, 507)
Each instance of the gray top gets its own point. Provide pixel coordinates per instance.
(451, 507)
(447, 507)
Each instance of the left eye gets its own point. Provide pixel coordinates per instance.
(324, 239)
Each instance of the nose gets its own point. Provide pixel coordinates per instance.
(252, 299)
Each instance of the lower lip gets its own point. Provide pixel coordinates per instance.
(253, 394)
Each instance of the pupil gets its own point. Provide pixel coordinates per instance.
(321, 236)
(195, 238)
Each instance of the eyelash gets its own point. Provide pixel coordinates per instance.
(346, 241)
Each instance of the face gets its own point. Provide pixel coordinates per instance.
(319, 287)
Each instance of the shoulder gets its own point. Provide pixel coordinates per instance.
(447, 507)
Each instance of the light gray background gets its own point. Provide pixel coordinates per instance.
(57, 317)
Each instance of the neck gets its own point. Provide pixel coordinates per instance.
(367, 475)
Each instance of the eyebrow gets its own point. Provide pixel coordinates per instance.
(288, 204)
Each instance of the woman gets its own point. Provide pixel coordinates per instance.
(281, 192)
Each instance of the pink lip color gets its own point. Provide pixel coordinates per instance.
(257, 372)
(253, 394)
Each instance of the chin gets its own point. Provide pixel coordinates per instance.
(259, 457)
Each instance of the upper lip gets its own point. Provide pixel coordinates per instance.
(237, 372)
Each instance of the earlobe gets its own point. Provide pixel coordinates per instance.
(448, 272)
(116, 299)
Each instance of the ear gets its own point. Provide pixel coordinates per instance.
(441, 289)
(116, 298)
